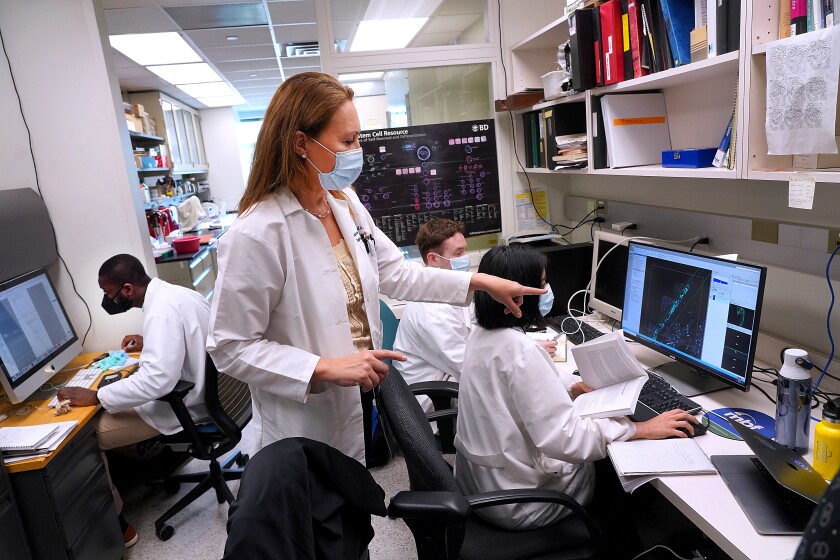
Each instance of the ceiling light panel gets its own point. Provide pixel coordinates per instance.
(179, 74)
(385, 34)
(214, 89)
(226, 101)
(218, 15)
(155, 48)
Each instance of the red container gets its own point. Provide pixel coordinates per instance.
(188, 244)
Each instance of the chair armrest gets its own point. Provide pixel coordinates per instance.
(179, 392)
(526, 495)
(442, 414)
(449, 507)
(447, 389)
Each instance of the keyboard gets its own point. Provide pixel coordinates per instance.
(83, 378)
(569, 325)
(659, 396)
(798, 508)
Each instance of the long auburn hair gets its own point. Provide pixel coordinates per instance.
(305, 102)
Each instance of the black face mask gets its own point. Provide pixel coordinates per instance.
(114, 307)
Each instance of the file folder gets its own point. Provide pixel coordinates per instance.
(612, 42)
(583, 50)
(636, 127)
(679, 21)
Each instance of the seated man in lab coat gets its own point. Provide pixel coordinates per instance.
(433, 335)
(175, 323)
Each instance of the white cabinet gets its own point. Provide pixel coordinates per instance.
(181, 128)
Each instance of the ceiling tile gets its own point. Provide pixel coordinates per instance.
(293, 71)
(229, 54)
(218, 15)
(210, 38)
(247, 65)
(140, 84)
(250, 76)
(171, 3)
(122, 61)
(295, 11)
(111, 4)
(261, 90)
(138, 20)
(349, 10)
(300, 61)
(135, 72)
(257, 85)
(297, 33)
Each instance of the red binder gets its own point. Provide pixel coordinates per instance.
(634, 13)
(611, 42)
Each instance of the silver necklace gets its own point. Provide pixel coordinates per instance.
(319, 216)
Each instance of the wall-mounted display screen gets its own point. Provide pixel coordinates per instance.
(416, 173)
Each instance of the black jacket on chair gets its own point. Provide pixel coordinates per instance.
(302, 499)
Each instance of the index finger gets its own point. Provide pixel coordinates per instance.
(388, 355)
(529, 291)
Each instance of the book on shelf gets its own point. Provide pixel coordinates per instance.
(625, 40)
(636, 127)
(608, 366)
(679, 19)
(640, 60)
(597, 35)
(711, 26)
(798, 17)
(784, 19)
(612, 41)
(582, 40)
(599, 135)
(723, 148)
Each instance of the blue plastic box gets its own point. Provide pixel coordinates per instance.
(691, 157)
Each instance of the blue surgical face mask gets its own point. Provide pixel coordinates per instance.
(461, 263)
(348, 166)
(546, 300)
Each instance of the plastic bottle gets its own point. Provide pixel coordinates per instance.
(793, 400)
(827, 441)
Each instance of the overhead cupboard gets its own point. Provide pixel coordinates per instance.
(700, 98)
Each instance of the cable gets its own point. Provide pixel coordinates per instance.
(38, 185)
(702, 240)
(828, 317)
(654, 547)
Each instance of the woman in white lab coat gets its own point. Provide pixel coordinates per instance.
(517, 427)
(295, 310)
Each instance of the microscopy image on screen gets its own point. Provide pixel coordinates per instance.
(736, 351)
(416, 173)
(741, 316)
(677, 317)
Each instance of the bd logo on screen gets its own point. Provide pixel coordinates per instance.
(752, 419)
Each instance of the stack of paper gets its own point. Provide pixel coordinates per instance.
(636, 462)
(20, 443)
(571, 152)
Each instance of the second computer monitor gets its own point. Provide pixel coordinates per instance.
(606, 289)
(701, 311)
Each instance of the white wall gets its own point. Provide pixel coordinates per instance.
(372, 111)
(70, 101)
(218, 128)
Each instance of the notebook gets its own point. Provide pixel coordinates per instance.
(776, 488)
(24, 438)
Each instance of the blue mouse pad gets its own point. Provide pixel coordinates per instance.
(720, 422)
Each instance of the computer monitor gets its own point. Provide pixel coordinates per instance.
(701, 311)
(606, 289)
(36, 337)
(567, 272)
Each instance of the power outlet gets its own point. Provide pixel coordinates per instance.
(765, 231)
(601, 206)
(596, 207)
(833, 239)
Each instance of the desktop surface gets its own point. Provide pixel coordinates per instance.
(42, 414)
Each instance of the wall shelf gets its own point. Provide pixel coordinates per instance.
(682, 75)
(659, 171)
(543, 170)
(152, 170)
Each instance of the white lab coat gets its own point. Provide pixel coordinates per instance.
(279, 306)
(433, 337)
(175, 323)
(517, 428)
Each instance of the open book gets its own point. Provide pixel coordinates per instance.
(608, 366)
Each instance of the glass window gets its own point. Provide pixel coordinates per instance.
(180, 133)
(417, 96)
(199, 140)
(373, 25)
(191, 137)
(171, 133)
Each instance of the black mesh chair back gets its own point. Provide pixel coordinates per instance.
(427, 470)
(228, 402)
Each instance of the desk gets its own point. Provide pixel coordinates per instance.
(64, 500)
(705, 499)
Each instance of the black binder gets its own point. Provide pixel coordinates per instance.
(728, 25)
(625, 40)
(599, 135)
(583, 49)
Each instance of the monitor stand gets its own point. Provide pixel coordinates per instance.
(688, 380)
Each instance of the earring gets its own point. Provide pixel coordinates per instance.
(302, 156)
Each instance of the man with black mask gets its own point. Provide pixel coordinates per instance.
(175, 321)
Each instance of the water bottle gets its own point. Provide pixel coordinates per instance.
(827, 441)
(793, 400)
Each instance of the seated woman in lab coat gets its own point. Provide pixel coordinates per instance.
(516, 424)
(295, 309)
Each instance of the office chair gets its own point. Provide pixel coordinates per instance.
(820, 539)
(441, 517)
(228, 403)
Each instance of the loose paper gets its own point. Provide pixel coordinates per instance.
(527, 219)
(802, 74)
(801, 192)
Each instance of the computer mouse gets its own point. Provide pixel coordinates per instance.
(699, 429)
